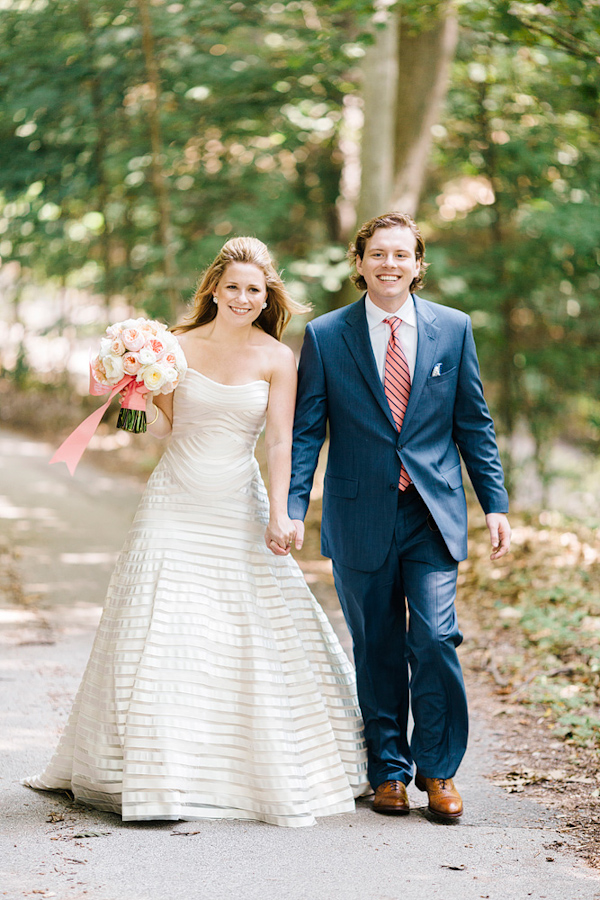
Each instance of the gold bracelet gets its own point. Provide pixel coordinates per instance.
(155, 417)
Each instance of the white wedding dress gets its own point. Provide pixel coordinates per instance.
(216, 687)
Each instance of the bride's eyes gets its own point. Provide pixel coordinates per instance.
(234, 287)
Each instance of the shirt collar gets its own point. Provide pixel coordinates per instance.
(376, 315)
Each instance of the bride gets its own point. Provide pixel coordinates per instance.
(216, 687)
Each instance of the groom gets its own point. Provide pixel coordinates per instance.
(396, 378)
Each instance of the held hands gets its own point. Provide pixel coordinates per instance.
(499, 529)
(281, 533)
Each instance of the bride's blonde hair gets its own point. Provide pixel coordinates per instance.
(280, 306)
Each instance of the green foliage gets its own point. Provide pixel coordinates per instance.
(250, 105)
(514, 203)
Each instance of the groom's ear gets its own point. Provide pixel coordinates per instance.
(358, 264)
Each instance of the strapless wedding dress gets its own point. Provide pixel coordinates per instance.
(216, 687)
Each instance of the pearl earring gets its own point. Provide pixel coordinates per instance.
(264, 306)
(215, 299)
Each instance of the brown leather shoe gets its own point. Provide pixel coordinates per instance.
(391, 798)
(444, 799)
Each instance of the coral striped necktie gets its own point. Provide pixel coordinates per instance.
(396, 384)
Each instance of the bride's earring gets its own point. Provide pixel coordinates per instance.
(264, 306)
(215, 299)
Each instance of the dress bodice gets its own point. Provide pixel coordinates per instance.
(215, 429)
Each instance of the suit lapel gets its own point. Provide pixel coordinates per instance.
(427, 338)
(356, 335)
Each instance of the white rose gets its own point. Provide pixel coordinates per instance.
(171, 374)
(105, 345)
(146, 356)
(171, 380)
(180, 357)
(113, 366)
(154, 377)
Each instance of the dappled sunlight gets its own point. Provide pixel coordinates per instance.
(110, 442)
(41, 513)
(577, 551)
(87, 559)
(17, 617)
(50, 487)
(13, 446)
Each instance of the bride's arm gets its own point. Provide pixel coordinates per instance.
(278, 444)
(159, 414)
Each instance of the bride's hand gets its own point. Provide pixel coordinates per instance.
(279, 535)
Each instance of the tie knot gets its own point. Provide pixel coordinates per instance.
(394, 322)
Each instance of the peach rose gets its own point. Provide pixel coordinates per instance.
(117, 348)
(99, 371)
(158, 346)
(133, 338)
(131, 364)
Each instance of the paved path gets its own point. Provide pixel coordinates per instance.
(68, 532)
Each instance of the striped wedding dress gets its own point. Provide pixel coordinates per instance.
(216, 687)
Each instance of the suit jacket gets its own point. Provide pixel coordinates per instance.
(338, 383)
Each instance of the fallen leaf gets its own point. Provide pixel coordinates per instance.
(55, 817)
(88, 834)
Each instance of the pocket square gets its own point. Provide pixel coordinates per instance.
(437, 370)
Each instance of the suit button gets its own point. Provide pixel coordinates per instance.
(393, 487)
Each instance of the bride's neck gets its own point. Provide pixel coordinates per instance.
(224, 334)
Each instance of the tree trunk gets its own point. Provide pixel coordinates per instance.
(423, 74)
(380, 84)
(158, 177)
(405, 80)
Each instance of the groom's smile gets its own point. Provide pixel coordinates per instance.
(389, 266)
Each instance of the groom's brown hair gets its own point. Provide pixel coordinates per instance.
(387, 220)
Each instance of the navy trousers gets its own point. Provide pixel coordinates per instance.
(399, 656)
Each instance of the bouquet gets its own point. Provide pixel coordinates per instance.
(137, 357)
(145, 358)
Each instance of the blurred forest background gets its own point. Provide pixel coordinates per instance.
(135, 137)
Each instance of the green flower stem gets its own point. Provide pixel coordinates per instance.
(133, 420)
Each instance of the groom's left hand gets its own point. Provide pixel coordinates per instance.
(499, 529)
(299, 539)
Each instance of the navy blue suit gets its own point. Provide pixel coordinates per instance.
(386, 546)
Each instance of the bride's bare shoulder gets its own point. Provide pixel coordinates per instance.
(280, 359)
(190, 338)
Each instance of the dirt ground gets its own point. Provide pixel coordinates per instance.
(558, 773)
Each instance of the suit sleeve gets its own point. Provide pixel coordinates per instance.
(310, 424)
(473, 431)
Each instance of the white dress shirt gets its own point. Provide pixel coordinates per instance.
(380, 331)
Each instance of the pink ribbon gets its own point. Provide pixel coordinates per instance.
(71, 450)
